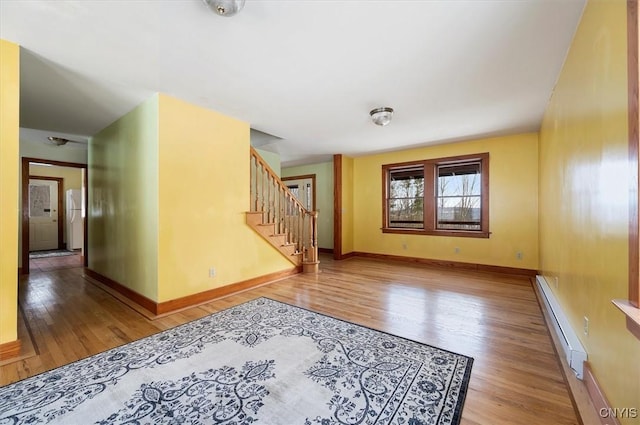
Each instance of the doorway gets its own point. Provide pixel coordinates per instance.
(45, 213)
(25, 207)
(303, 188)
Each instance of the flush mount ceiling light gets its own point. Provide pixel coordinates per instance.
(58, 141)
(381, 116)
(225, 7)
(61, 141)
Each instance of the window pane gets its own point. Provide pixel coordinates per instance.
(407, 213)
(459, 180)
(459, 213)
(406, 183)
(459, 197)
(406, 198)
(294, 190)
(309, 197)
(39, 200)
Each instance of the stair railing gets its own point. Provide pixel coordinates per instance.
(278, 205)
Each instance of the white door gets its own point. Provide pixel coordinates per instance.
(43, 215)
(302, 189)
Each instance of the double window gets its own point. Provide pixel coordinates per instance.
(443, 196)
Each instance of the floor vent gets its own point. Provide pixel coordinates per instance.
(573, 350)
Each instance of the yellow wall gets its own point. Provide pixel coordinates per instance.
(584, 198)
(348, 205)
(513, 214)
(203, 197)
(9, 182)
(123, 200)
(324, 197)
(168, 189)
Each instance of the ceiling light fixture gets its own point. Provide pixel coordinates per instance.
(58, 141)
(381, 116)
(225, 7)
(61, 141)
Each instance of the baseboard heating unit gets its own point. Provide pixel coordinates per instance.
(573, 349)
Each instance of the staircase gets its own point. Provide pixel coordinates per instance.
(280, 218)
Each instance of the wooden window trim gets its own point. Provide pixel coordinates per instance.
(430, 166)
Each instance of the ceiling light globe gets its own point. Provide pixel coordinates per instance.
(381, 116)
(225, 7)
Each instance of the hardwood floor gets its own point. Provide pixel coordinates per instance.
(55, 263)
(516, 378)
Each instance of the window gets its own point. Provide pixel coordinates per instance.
(459, 196)
(444, 196)
(406, 197)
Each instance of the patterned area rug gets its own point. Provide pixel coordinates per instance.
(261, 362)
(51, 253)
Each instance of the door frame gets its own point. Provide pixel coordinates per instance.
(337, 207)
(60, 181)
(25, 205)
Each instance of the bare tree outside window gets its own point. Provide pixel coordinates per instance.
(459, 197)
(406, 198)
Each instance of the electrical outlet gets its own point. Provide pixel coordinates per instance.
(456, 250)
(212, 272)
(585, 325)
(519, 255)
(404, 245)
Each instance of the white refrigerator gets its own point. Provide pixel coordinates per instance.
(75, 228)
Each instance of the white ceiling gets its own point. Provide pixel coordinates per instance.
(305, 71)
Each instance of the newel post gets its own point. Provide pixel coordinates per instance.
(311, 265)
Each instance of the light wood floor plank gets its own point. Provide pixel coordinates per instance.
(516, 378)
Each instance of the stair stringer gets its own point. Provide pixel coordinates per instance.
(267, 232)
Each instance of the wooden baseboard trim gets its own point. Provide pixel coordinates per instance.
(153, 310)
(326, 250)
(347, 256)
(132, 295)
(10, 349)
(606, 414)
(448, 264)
(28, 346)
(207, 296)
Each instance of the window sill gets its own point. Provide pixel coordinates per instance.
(451, 233)
(633, 315)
